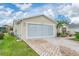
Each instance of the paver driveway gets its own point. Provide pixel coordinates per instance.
(44, 48)
(55, 47)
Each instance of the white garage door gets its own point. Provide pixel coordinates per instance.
(40, 31)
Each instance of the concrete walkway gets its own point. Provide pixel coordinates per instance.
(55, 47)
(74, 45)
(69, 47)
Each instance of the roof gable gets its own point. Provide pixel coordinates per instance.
(50, 18)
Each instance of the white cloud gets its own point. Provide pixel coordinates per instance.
(67, 10)
(20, 15)
(72, 11)
(9, 11)
(5, 14)
(75, 5)
(6, 21)
(5, 11)
(23, 6)
(75, 20)
(3, 22)
(49, 12)
(10, 22)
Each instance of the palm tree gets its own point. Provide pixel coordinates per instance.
(60, 26)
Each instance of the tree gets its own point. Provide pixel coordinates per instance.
(60, 28)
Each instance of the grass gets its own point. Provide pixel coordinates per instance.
(10, 47)
(77, 36)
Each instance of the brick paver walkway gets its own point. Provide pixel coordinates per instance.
(44, 48)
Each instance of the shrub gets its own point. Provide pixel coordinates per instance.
(61, 34)
(77, 36)
(1, 35)
(58, 34)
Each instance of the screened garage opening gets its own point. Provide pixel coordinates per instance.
(40, 31)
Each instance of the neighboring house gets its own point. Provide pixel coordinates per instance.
(8, 28)
(35, 27)
(2, 29)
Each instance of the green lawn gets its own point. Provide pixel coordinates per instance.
(10, 47)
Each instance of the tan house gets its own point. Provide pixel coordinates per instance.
(35, 27)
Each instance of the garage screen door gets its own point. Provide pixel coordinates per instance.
(40, 31)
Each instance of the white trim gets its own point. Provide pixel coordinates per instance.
(26, 31)
(41, 37)
(38, 23)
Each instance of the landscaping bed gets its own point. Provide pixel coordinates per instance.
(9, 46)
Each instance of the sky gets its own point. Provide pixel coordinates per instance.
(14, 11)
